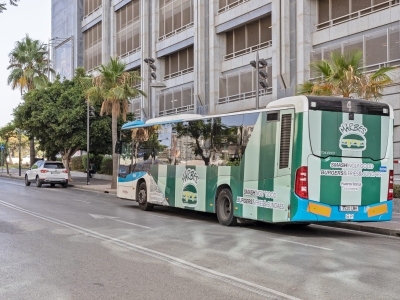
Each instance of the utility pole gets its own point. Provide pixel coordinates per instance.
(90, 113)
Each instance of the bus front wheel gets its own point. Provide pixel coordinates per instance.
(225, 208)
(142, 198)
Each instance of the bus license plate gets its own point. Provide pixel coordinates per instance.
(348, 208)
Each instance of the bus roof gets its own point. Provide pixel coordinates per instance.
(299, 103)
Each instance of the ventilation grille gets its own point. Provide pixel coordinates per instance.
(286, 127)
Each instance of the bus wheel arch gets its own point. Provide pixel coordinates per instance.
(224, 206)
(142, 195)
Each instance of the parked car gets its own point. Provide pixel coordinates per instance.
(14, 160)
(47, 172)
(26, 160)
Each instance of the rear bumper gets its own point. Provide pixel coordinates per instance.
(53, 180)
(311, 211)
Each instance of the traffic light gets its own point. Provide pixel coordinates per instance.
(261, 69)
(92, 111)
(150, 61)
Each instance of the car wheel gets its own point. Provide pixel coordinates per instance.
(38, 183)
(225, 208)
(52, 184)
(142, 198)
(65, 185)
(27, 183)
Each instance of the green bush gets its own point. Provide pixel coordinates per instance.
(396, 191)
(76, 164)
(96, 159)
(107, 166)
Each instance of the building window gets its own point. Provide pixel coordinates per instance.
(92, 46)
(176, 100)
(134, 107)
(128, 28)
(175, 16)
(333, 12)
(380, 48)
(179, 63)
(90, 6)
(248, 38)
(225, 5)
(240, 84)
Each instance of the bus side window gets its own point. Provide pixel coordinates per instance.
(249, 121)
(226, 140)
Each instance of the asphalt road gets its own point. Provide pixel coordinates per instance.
(60, 243)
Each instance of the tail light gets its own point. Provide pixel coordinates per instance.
(301, 187)
(390, 187)
(65, 171)
(43, 171)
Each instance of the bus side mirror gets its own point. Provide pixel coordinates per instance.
(118, 147)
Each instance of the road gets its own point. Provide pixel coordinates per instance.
(60, 243)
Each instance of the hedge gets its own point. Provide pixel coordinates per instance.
(107, 166)
(96, 159)
(76, 164)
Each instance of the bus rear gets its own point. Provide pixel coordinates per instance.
(345, 169)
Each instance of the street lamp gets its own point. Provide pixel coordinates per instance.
(90, 113)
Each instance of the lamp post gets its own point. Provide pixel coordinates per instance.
(90, 113)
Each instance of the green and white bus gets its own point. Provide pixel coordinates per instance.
(301, 159)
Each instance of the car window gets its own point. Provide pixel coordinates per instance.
(54, 166)
(35, 165)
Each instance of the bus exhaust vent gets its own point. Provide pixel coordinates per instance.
(286, 127)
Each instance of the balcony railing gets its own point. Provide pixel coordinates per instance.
(138, 49)
(89, 14)
(179, 73)
(248, 50)
(358, 14)
(230, 6)
(176, 31)
(244, 96)
(177, 110)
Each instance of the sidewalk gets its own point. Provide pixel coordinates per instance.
(79, 181)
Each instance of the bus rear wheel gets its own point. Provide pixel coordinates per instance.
(225, 208)
(142, 198)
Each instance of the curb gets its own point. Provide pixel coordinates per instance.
(362, 228)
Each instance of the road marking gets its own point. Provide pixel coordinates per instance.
(154, 215)
(306, 245)
(235, 281)
(115, 219)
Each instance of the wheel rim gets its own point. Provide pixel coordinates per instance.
(142, 196)
(225, 208)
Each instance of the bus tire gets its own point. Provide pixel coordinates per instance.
(225, 208)
(142, 198)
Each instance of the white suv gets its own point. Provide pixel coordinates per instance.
(51, 172)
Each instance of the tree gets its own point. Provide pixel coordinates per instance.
(6, 133)
(113, 87)
(57, 117)
(345, 75)
(28, 66)
(3, 5)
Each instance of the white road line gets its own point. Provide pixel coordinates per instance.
(132, 224)
(154, 215)
(358, 231)
(235, 281)
(306, 245)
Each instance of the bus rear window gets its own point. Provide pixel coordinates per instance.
(348, 134)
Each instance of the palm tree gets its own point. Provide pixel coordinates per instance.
(29, 64)
(345, 75)
(3, 5)
(114, 86)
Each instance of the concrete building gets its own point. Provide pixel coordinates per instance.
(202, 48)
(66, 44)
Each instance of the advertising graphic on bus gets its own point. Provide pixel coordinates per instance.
(300, 159)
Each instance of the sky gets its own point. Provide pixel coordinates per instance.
(31, 17)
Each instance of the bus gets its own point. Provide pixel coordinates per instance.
(301, 159)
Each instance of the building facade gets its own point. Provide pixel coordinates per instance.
(202, 49)
(66, 43)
